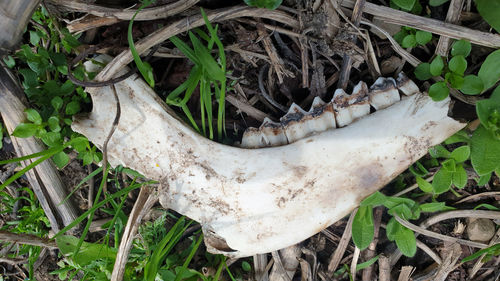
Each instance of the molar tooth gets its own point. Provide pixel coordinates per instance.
(273, 133)
(321, 116)
(340, 104)
(294, 124)
(358, 101)
(406, 85)
(383, 93)
(253, 138)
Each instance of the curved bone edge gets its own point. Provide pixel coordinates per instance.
(406, 85)
(243, 204)
(383, 93)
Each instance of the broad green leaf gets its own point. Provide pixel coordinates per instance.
(459, 178)
(400, 36)
(423, 37)
(409, 41)
(439, 91)
(34, 38)
(80, 144)
(437, 65)
(268, 4)
(435, 3)
(461, 47)
(374, 200)
(485, 151)
(423, 72)
(402, 210)
(246, 266)
(460, 136)
(392, 202)
(456, 81)
(33, 116)
(52, 139)
(54, 124)
(442, 181)
(489, 71)
(392, 228)
(61, 159)
(30, 78)
(405, 4)
(434, 207)
(449, 165)
(473, 85)
(439, 151)
(458, 64)
(488, 111)
(9, 61)
(362, 227)
(484, 179)
(88, 252)
(461, 154)
(72, 108)
(424, 185)
(406, 241)
(489, 11)
(25, 130)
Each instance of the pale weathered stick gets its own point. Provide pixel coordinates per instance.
(344, 241)
(142, 205)
(427, 24)
(14, 15)
(27, 239)
(125, 14)
(90, 22)
(189, 23)
(453, 16)
(44, 178)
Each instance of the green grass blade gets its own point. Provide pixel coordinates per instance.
(84, 180)
(30, 166)
(189, 258)
(190, 117)
(100, 204)
(34, 155)
(184, 48)
(213, 69)
(144, 67)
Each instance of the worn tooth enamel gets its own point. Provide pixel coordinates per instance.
(359, 104)
(253, 138)
(295, 129)
(406, 85)
(383, 93)
(273, 133)
(320, 117)
(340, 103)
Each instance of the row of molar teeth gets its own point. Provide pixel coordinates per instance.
(341, 111)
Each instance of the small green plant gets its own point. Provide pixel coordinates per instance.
(409, 37)
(208, 74)
(30, 219)
(54, 98)
(268, 4)
(489, 11)
(454, 69)
(407, 209)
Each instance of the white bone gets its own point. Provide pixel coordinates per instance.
(294, 129)
(251, 201)
(273, 133)
(406, 85)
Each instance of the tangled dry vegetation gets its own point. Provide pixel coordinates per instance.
(225, 71)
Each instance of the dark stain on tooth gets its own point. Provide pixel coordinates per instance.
(291, 117)
(383, 84)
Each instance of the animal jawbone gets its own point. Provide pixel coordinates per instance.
(252, 201)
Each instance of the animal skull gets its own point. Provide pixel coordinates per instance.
(252, 201)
